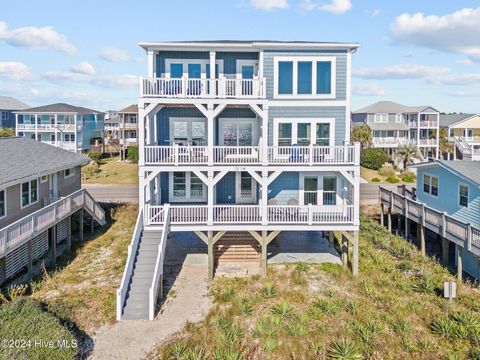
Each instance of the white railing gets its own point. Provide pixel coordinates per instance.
(156, 282)
(429, 123)
(252, 214)
(129, 141)
(126, 125)
(46, 127)
(472, 139)
(232, 155)
(127, 273)
(200, 88)
(428, 142)
(17, 233)
(385, 140)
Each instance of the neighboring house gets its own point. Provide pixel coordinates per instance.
(7, 106)
(239, 141)
(128, 126)
(453, 187)
(463, 131)
(112, 128)
(40, 194)
(394, 125)
(69, 127)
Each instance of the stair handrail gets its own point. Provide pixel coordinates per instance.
(154, 287)
(95, 209)
(463, 145)
(127, 273)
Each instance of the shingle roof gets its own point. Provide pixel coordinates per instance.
(464, 168)
(447, 120)
(24, 158)
(10, 103)
(388, 126)
(131, 109)
(61, 108)
(389, 107)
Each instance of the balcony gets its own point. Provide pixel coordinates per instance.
(429, 123)
(185, 88)
(386, 141)
(128, 126)
(46, 127)
(130, 141)
(251, 214)
(427, 142)
(252, 155)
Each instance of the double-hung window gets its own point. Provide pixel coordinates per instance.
(381, 118)
(29, 192)
(463, 195)
(398, 118)
(430, 185)
(68, 172)
(303, 132)
(305, 76)
(187, 186)
(3, 203)
(319, 190)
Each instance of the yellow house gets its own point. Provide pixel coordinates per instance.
(464, 131)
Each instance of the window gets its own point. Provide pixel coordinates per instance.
(381, 118)
(3, 204)
(284, 134)
(194, 71)
(398, 118)
(188, 131)
(323, 134)
(29, 193)
(187, 186)
(305, 76)
(285, 77)
(176, 70)
(329, 190)
(310, 187)
(463, 195)
(44, 179)
(430, 185)
(68, 172)
(303, 132)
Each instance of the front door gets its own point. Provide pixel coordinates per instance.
(246, 188)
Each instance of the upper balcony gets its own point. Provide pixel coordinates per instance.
(46, 127)
(185, 88)
(128, 126)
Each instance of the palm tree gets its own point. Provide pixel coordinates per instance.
(363, 135)
(445, 146)
(407, 155)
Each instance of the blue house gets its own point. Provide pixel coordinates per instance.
(69, 127)
(453, 187)
(7, 106)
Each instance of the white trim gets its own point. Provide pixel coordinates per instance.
(238, 178)
(458, 195)
(242, 62)
(4, 202)
(185, 62)
(313, 128)
(72, 173)
(30, 203)
(253, 121)
(430, 185)
(380, 115)
(314, 103)
(319, 176)
(188, 197)
(295, 60)
(43, 179)
(189, 121)
(348, 96)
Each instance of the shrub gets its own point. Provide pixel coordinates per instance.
(392, 179)
(95, 156)
(375, 179)
(343, 349)
(91, 169)
(373, 158)
(7, 132)
(387, 170)
(268, 290)
(408, 177)
(132, 154)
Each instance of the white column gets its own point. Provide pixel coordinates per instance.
(16, 124)
(260, 64)
(212, 65)
(36, 127)
(141, 134)
(264, 150)
(152, 63)
(210, 196)
(210, 133)
(56, 130)
(158, 180)
(264, 199)
(348, 96)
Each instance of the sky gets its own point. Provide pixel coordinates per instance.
(86, 53)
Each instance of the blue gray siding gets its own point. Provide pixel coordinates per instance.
(310, 112)
(341, 74)
(226, 189)
(284, 187)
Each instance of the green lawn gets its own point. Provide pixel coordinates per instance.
(392, 310)
(113, 171)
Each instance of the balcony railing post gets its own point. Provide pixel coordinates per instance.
(310, 214)
(310, 157)
(469, 237)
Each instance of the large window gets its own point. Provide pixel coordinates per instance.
(3, 204)
(310, 190)
(319, 190)
(303, 132)
(188, 131)
(329, 190)
(381, 118)
(463, 195)
(29, 192)
(430, 185)
(176, 70)
(305, 76)
(187, 186)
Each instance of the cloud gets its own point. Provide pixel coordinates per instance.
(453, 33)
(269, 4)
(456, 79)
(337, 6)
(83, 68)
(115, 55)
(401, 71)
(108, 81)
(409, 55)
(368, 90)
(36, 38)
(13, 70)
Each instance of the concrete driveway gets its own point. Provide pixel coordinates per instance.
(111, 193)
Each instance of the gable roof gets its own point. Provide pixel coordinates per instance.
(24, 158)
(391, 108)
(131, 109)
(60, 108)
(447, 120)
(10, 103)
(466, 169)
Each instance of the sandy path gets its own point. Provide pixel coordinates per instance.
(134, 339)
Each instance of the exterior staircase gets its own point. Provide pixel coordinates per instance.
(137, 299)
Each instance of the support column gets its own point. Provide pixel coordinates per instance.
(211, 259)
(421, 238)
(264, 144)
(53, 245)
(331, 238)
(69, 234)
(355, 253)
(389, 220)
(445, 251)
(459, 262)
(212, 68)
(80, 225)
(30, 258)
(263, 260)
(210, 133)
(399, 223)
(264, 200)
(210, 197)
(382, 215)
(344, 251)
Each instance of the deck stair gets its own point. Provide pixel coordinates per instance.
(237, 247)
(137, 299)
(462, 145)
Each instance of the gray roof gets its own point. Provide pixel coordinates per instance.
(10, 103)
(131, 109)
(24, 158)
(447, 120)
(60, 108)
(391, 108)
(388, 126)
(464, 168)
